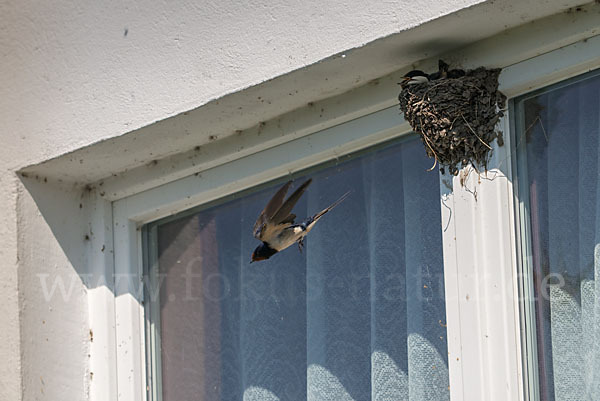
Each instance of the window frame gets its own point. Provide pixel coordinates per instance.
(118, 354)
(524, 236)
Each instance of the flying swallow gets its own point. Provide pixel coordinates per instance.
(275, 225)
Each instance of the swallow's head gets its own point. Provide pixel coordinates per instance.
(414, 77)
(262, 252)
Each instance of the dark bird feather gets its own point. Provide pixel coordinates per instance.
(277, 211)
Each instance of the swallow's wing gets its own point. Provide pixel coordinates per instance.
(284, 213)
(277, 214)
(269, 211)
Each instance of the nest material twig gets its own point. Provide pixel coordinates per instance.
(456, 117)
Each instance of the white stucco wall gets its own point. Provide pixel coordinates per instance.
(92, 70)
(75, 73)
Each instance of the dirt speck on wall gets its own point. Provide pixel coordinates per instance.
(456, 117)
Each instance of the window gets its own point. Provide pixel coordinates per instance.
(360, 314)
(558, 139)
(373, 319)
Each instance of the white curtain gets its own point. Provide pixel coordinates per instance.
(562, 166)
(359, 315)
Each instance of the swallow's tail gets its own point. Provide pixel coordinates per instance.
(334, 204)
(443, 66)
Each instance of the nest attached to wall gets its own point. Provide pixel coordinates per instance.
(456, 117)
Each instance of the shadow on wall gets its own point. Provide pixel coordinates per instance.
(54, 239)
(50, 214)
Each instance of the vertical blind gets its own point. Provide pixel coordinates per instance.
(358, 315)
(559, 140)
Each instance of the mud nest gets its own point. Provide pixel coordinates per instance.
(456, 117)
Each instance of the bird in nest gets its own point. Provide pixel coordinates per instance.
(275, 225)
(417, 76)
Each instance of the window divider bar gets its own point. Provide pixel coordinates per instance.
(481, 281)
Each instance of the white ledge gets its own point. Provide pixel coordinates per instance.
(315, 97)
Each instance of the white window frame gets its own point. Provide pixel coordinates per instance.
(481, 265)
(485, 358)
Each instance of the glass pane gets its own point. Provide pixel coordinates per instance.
(559, 139)
(358, 315)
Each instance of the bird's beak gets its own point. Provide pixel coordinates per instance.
(405, 82)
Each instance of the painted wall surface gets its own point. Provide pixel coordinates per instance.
(75, 73)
